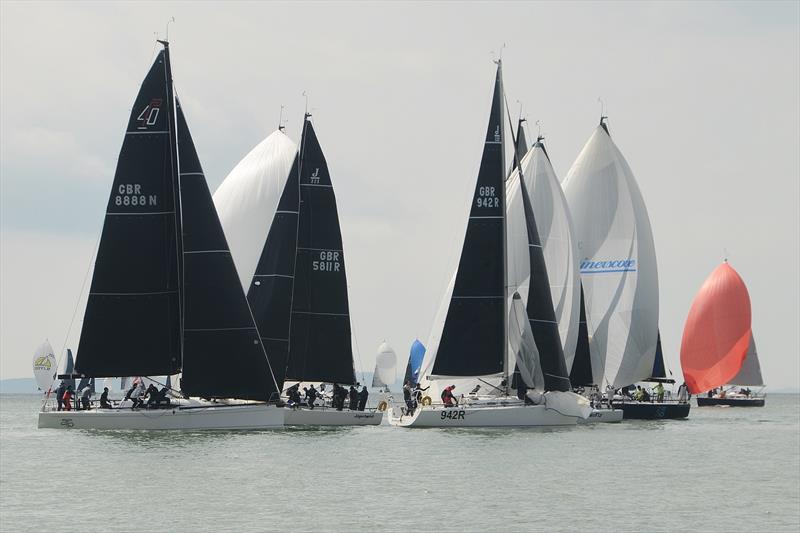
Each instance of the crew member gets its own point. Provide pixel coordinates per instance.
(448, 398)
(104, 403)
(362, 398)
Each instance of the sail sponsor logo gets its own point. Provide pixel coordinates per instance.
(601, 267)
(314, 177)
(487, 197)
(327, 261)
(131, 194)
(43, 363)
(149, 114)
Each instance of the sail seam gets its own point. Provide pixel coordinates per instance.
(218, 329)
(145, 132)
(485, 217)
(320, 249)
(322, 314)
(207, 252)
(316, 185)
(132, 293)
(144, 213)
(273, 276)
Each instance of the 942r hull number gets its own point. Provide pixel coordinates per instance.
(453, 415)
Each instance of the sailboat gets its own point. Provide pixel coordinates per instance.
(298, 286)
(555, 228)
(385, 367)
(485, 339)
(165, 298)
(718, 347)
(619, 275)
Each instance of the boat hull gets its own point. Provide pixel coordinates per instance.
(704, 401)
(491, 416)
(222, 417)
(653, 410)
(602, 416)
(325, 416)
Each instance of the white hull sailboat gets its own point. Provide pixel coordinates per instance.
(165, 282)
(193, 416)
(297, 285)
(485, 338)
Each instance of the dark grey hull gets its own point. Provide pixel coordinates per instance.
(704, 401)
(653, 410)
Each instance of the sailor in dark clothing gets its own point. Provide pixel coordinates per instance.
(104, 403)
(293, 393)
(407, 398)
(353, 398)
(339, 394)
(311, 396)
(152, 395)
(130, 391)
(62, 388)
(362, 398)
(417, 396)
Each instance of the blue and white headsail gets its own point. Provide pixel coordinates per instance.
(617, 262)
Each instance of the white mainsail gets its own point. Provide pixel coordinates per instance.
(385, 366)
(556, 232)
(617, 262)
(248, 197)
(750, 373)
(44, 366)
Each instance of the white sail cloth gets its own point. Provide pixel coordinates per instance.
(554, 224)
(750, 373)
(617, 262)
(385, 366)
(247, 199)
(45, 366)
(523, 345)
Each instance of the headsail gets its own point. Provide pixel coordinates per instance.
(523, 345)
(581, 372)
(248, 198)
(217, 319)
(415, 357)
(385, 366)
(555, 228)
(617, 262)
(45, 366)
(135, 286)
(659, 370)
(320, 347)
(717, 334)
(473, 337)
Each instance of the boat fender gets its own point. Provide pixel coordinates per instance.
(382, 406)
(426, 400)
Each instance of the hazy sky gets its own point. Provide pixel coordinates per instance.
(702, 100)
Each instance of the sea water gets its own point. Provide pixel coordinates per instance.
(723, 469)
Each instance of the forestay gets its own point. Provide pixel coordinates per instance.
(617, 262)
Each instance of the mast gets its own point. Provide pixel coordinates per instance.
(504, 244)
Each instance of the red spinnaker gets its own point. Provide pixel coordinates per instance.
(717, 331)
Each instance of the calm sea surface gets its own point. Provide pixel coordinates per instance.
(723, 469)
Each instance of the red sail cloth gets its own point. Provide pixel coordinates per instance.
(717, 331)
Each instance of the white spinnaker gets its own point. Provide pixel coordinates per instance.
(45, 366)
(247, 199)
(385, 366)
(554, 223)
(523, 345)
(617, 262)
(750, 373)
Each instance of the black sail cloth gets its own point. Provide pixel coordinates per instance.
(473, 338)
(133, 315)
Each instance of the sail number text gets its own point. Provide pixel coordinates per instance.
(327, 261)
(487, 197)
(453, 415)
(131, 194)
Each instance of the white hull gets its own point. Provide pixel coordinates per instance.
(603, 416)
(212, 417)
(484, 416)
(325, 416)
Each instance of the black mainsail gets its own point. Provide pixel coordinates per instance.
(223, 355)
(581, 373)
(320, 347)
(133, 314)
(473, 340)
(299, 290)
(659, 370)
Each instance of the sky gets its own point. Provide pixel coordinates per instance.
(702, 100)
